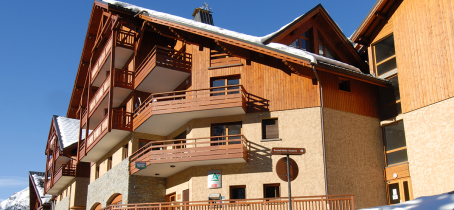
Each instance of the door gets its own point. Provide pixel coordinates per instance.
(399, 191)
(170, 198)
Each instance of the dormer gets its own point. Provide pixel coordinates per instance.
(316, 32)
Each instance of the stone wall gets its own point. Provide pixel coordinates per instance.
(79, 191)
(112, 182)
(354, 157)
(146, 189)
(63, 204)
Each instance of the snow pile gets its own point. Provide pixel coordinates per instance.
(39, 183)
(18, 201)
(443, 201)
(313, 58)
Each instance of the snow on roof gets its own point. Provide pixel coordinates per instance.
(313, 58)
(443, 201)
(38, 179)
(67, 130)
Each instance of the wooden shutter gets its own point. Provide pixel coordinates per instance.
(270, 129)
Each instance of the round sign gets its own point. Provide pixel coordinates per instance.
(281, 169)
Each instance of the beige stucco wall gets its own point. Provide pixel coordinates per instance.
(297, 128)
(429, 133)
(354, 157)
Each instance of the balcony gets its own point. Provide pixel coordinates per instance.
(162, 70)
(123, 80)
(124, 48)
(185, 153)
(162, 113)
(61, 178)
(324, 202)
(102, 139)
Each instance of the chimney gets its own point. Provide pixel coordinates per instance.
(203, 14)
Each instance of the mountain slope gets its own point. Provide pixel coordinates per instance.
(18, 201)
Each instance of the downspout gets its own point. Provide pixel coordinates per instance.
(322, 126)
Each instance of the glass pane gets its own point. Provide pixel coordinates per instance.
(395, 82)
(328, 54)
(218, 130)
(386, 66)
(295, 44)
(384, 49)
(238, 193)
(389, 111)
(394, 193)
(218, 83)
(271, 191)
(233, 82)
(406, 191)
(320, 49)
(394, 136)
(396, 157)
(234, 130)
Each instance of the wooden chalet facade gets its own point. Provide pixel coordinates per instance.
(65, 177)
(38, 199)
(400, 39)
(161, 102)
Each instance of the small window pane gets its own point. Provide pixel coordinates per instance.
(328, 54)
(320, 49)
(386, 66)
(394, 135)
(233, 82)
(396, 157)
(271, 191)
(406, 191)
(295, 44)
(384, 49)
(394, 193)
(270, 129)
(238, 193)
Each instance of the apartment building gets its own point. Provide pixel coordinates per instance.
(160, 103)
(409, 43)
(66, 179)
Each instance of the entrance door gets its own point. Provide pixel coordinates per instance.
(399, 191)
(170, 198)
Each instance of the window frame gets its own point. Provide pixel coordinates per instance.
(272, 185)
(237, 187)
(276, 120)
(374, 56)
(226, 132)
(395, 149)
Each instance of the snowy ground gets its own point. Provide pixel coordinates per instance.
(443, 201)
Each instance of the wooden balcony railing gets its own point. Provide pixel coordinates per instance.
(100, 130)
(164, 57)
(84, 117)
(190, 100)
(101, 59)
(182, 150)
(329, 202)
(81, 149)
(124, 78)
(68, 169)
(47, 186)
(99, 95)
(125, 38)
(120, 120)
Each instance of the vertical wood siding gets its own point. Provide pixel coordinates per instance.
(424, 40)
(362, 100)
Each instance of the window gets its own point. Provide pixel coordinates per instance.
(385, 56)
(125, 151)
(271, 190)
(109, 163)
(395, 144)
(97, 172)
(181, 136)
(303, 42)
(225, 81)
(143, 142)
(270, 129)
(238, 192)
(386, 67)
(229, 130)
(323, 50)
(344, 84)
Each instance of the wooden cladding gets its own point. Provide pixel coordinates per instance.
(183, 150)
(423, 32)
(219, 57)
(190, 100)
(324, 202)
(399, 171)
(164, 57)
(99, 95)
(362, 98)
(101, 60)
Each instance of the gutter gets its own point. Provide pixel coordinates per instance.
(322, 126)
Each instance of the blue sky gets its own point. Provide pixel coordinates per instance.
(41, 47)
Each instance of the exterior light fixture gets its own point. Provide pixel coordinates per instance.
(156, 174)
(172, 166)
